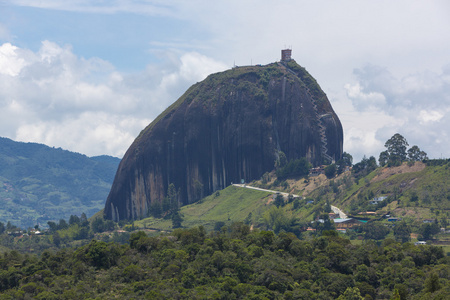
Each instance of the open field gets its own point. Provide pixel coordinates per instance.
(232, 204)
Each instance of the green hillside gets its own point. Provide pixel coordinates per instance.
(232, 204)
(40, 183)
(414, 192)
(238, 204)
(418, 191)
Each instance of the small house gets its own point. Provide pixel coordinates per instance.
(346, 223)
(333, 215)
(367, 213)
(317, 171)
(377, 200)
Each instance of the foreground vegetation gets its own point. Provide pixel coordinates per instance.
(233, 263)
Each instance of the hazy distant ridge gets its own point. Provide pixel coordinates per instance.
(40, 183)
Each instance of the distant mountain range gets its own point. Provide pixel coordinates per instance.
(40, 183)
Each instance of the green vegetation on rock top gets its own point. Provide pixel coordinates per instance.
(251, 77)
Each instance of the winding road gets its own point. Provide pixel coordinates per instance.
(336, 210)
(285, 195)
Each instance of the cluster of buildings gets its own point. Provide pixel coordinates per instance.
(20, 232)
(342, 224)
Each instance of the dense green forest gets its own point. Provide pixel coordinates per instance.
(232, 263)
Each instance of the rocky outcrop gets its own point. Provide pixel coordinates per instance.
(229, 127)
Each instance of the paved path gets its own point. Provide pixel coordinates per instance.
(336, 210)
(285, 195)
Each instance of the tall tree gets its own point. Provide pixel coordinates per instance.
(83, 220)
(330, 171)
(62, 224)
(428, 230)
(52, 226)
(365, 166)
(56, 239)
(74, 219)
(345, 161)
(396, 148)
(384, 158)
(177, 218)
(432, 283)
(415, 154)
(279, 200)
(402, 232)
(281, 160)
(155, 209)
(170, 202)
(347, 158)
(374, 231)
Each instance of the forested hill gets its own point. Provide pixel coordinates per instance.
(233, 263)
(40, 183)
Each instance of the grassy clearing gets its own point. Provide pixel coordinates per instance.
(232, 204)
(446, 250)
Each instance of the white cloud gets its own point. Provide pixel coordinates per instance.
(10, 61)
(361, 142)
(429, 116)
(416, 106)
(363, 100)
(93, 133)
(85, 105)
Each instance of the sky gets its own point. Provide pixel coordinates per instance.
(89, 75)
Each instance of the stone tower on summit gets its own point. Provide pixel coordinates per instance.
(286, 55)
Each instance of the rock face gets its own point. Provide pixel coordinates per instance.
(229, 127)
